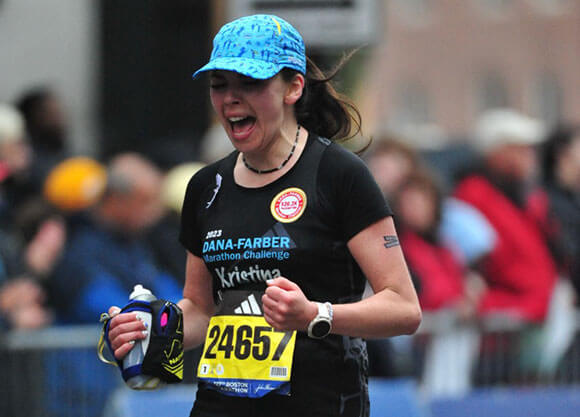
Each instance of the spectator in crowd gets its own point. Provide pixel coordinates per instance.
(15, 164)
(46, 129)
(459, 228)
(462, 228)
(106, 256)
(22, 304)
(444, 286)
(159, 223)
(519, 271)
(108, 210)
(561, 179)
(32, 233)
(561, 175)
(37, 242)
(418, 204)
(391, 161)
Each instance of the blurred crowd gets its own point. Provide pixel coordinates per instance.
(493, 245)
(494, 240)
(77, 233)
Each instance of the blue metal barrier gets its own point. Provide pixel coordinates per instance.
(388, 398)
(55, 372)
(512, 402)
(395, 397)
(168, 401)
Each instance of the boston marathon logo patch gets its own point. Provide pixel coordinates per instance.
(288, 205)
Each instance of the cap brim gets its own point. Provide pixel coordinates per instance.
(252, 68)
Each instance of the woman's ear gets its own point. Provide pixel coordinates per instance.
(295, 89)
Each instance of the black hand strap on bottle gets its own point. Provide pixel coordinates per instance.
(164, 356)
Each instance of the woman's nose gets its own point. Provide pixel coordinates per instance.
(231, 96)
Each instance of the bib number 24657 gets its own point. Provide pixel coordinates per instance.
(244, 356)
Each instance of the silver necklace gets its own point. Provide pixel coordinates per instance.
(267, 171)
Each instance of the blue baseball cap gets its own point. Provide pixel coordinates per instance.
(257, 46)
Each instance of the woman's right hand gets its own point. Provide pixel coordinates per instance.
(124, 330)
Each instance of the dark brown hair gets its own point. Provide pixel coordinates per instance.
(425, 180)
(391, 144)
(321, 109)
(558, 140)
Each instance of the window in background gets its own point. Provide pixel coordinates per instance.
(551, 7)
(412, 105)
(491, 92)
(493, 8)
(415, 13)
(547, 98)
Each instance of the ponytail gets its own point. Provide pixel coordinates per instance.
(321, 109)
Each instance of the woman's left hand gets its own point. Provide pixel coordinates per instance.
(286, 307)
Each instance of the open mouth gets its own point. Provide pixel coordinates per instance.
(241, 126)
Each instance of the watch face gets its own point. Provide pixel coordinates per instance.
(321, 329)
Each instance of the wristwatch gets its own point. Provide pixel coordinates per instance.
(321, 325)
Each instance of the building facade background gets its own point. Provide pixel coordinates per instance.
(440, 63)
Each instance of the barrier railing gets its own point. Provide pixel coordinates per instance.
(458, 356)
(55, 371)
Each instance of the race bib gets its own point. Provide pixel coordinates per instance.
(243, 355)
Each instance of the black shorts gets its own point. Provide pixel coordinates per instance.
(210, 403)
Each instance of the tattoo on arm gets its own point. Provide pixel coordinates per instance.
(391, 241)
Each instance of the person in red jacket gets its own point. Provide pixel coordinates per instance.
(435, 269)
(447, 287)
(519, 271)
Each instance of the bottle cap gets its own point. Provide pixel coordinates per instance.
(139, 290)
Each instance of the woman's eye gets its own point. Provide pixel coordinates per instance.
(252, 87)
(216, 86)
(251, 82)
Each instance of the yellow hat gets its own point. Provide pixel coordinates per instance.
(75, 184)
(175, 184)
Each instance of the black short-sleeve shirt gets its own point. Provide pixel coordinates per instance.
(296, 227)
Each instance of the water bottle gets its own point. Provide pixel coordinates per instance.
(137, 354)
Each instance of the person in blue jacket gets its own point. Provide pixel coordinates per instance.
(106, 255)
